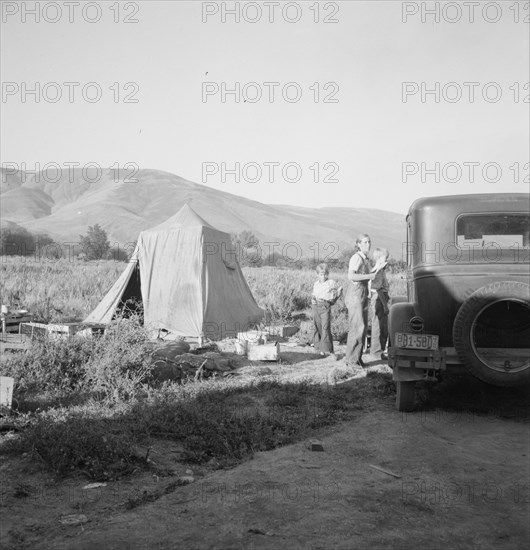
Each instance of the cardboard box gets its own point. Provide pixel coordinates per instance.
(284, 331)
(264, 352)
(11, 322)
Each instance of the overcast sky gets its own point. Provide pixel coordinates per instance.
(341, 120)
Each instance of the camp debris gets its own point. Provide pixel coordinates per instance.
(189, 365)
(10, 320)
(60, 331)
(187, 279)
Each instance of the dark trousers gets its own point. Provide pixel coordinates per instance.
(356, 301)
(379, 329)
(322, 324)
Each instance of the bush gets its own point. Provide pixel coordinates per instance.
(113, 366)
(280, 292)
(95, 244)
(52, 365)
(121, 362)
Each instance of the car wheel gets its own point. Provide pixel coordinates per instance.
(491, 333)
(405, 396)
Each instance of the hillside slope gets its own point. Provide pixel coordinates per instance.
(65, 208)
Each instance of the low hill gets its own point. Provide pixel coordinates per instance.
(65, 208)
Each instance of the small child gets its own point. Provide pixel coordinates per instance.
(381, 310)
(325, 293)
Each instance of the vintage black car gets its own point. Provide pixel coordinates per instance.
(468, 292)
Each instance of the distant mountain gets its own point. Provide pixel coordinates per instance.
(65, 208)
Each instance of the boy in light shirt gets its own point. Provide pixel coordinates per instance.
(325, 293)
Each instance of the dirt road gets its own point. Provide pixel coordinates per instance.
(450, 481)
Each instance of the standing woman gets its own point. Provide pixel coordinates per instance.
(356, 299)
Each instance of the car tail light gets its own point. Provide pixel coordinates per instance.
(417, 324)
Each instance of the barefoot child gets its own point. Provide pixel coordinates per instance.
(325, 293)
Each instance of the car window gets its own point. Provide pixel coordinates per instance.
(493, 229)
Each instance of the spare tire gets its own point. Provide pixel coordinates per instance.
(491, 333)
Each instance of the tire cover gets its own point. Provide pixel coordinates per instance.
(462, 337)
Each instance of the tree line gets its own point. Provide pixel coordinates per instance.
(250, 254)
(95, 245)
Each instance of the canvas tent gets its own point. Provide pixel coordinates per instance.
(189, 281)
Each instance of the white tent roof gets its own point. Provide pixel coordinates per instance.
(188, 280)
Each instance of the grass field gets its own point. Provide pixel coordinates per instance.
(84, 405)
(68, 290)
(59, 290)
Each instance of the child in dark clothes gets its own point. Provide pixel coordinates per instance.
(382, 303)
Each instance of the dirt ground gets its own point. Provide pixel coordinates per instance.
(430, 480)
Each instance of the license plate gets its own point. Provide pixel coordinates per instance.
(416, 341)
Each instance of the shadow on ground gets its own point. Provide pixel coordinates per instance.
(466, 393)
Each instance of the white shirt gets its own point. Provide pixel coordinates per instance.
(326, 290)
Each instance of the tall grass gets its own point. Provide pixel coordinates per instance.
(69, 289)
(283, 292)
(59, 290)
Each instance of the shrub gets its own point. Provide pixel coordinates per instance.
(121, 361)
(280, 292)
(95, 244)
(51, 365)
(113, 366)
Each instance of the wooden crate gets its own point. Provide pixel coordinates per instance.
(58, 331)
(284, 331)
(11, 322)
(14, 341)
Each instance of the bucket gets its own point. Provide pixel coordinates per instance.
(6, 391)
(241, 347)
(5, 309)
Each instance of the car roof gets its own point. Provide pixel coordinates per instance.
(480, 202)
